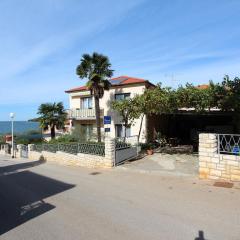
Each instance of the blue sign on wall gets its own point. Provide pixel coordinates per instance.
(107, 119)
(236, 150)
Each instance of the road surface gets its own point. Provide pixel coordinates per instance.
(48, 201)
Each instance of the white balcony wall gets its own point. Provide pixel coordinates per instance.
(83, 114)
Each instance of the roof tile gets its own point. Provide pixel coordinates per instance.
(121, 80)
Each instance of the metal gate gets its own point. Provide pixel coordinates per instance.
(24, 151)
(126, 149)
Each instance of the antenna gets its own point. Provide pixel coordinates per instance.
(172, 79)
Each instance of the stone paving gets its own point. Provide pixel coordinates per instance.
(175, 164)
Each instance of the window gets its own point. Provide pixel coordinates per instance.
(118, 128)
(86, 102)
(87, 130)
(128, 132)
(120, 131)
(122, 96)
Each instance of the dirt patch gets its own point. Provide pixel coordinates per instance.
(223, 184)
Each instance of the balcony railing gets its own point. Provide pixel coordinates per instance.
(83, 113)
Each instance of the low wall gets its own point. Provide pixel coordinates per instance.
(4, 149)
(84, 160)
(216, 166)
(18, 151)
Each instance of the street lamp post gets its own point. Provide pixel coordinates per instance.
(12, 115)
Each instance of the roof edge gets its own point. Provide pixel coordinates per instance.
(146, 82)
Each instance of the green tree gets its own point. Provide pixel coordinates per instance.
(97, 69)
(199, 99)
(229, 94)
(2, 139)
(159, 100)
(154, 101)
(52, 115)
(128, 110)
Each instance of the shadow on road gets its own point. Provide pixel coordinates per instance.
(22, 194)
(15, 167)
(200, 236)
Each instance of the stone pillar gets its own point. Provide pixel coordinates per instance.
(2, 151)
(30, 147)
(212, 164)
(208, 156)
(110, 151)
(6, 149)
(19, 150)
(31, 154)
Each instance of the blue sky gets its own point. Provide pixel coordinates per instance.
(42, 43)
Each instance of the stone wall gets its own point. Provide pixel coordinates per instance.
(18, 151)
(213, 165)
(81, 159)
(4, 149)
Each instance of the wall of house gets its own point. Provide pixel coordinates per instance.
(213, 165)
(74, 99)
(105, 103)
(78, 123)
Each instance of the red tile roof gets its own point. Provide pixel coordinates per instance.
(128, 80)
(203, 86)
(83, 88)
(122, 80)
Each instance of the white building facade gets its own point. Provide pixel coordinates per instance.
(82, 108)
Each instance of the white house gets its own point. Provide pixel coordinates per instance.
(82, 111)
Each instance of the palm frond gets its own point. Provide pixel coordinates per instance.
(94, 64)
(52, 114)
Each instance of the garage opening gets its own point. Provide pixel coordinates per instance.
(183, 128)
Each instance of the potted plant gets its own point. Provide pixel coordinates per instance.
(150, 149)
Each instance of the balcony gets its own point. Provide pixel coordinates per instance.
(83, 114)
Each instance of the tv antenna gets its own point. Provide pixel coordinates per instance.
(173, 79)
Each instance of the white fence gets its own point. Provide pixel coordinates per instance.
(228, 144)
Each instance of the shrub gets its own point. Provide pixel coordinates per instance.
(147, 146)
(66, 138)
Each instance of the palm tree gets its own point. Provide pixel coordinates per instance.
(97, 69)
(52, 115)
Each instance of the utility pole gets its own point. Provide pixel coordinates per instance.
(12, 115)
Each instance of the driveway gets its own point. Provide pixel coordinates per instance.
(46, 201)
(161, 163)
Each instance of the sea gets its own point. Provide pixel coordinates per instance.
(19, 126)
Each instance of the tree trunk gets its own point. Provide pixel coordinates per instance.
(53, 132)
(125, 132)
(140, 129)
(98, 120)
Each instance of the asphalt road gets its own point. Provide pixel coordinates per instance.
(46, 201)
